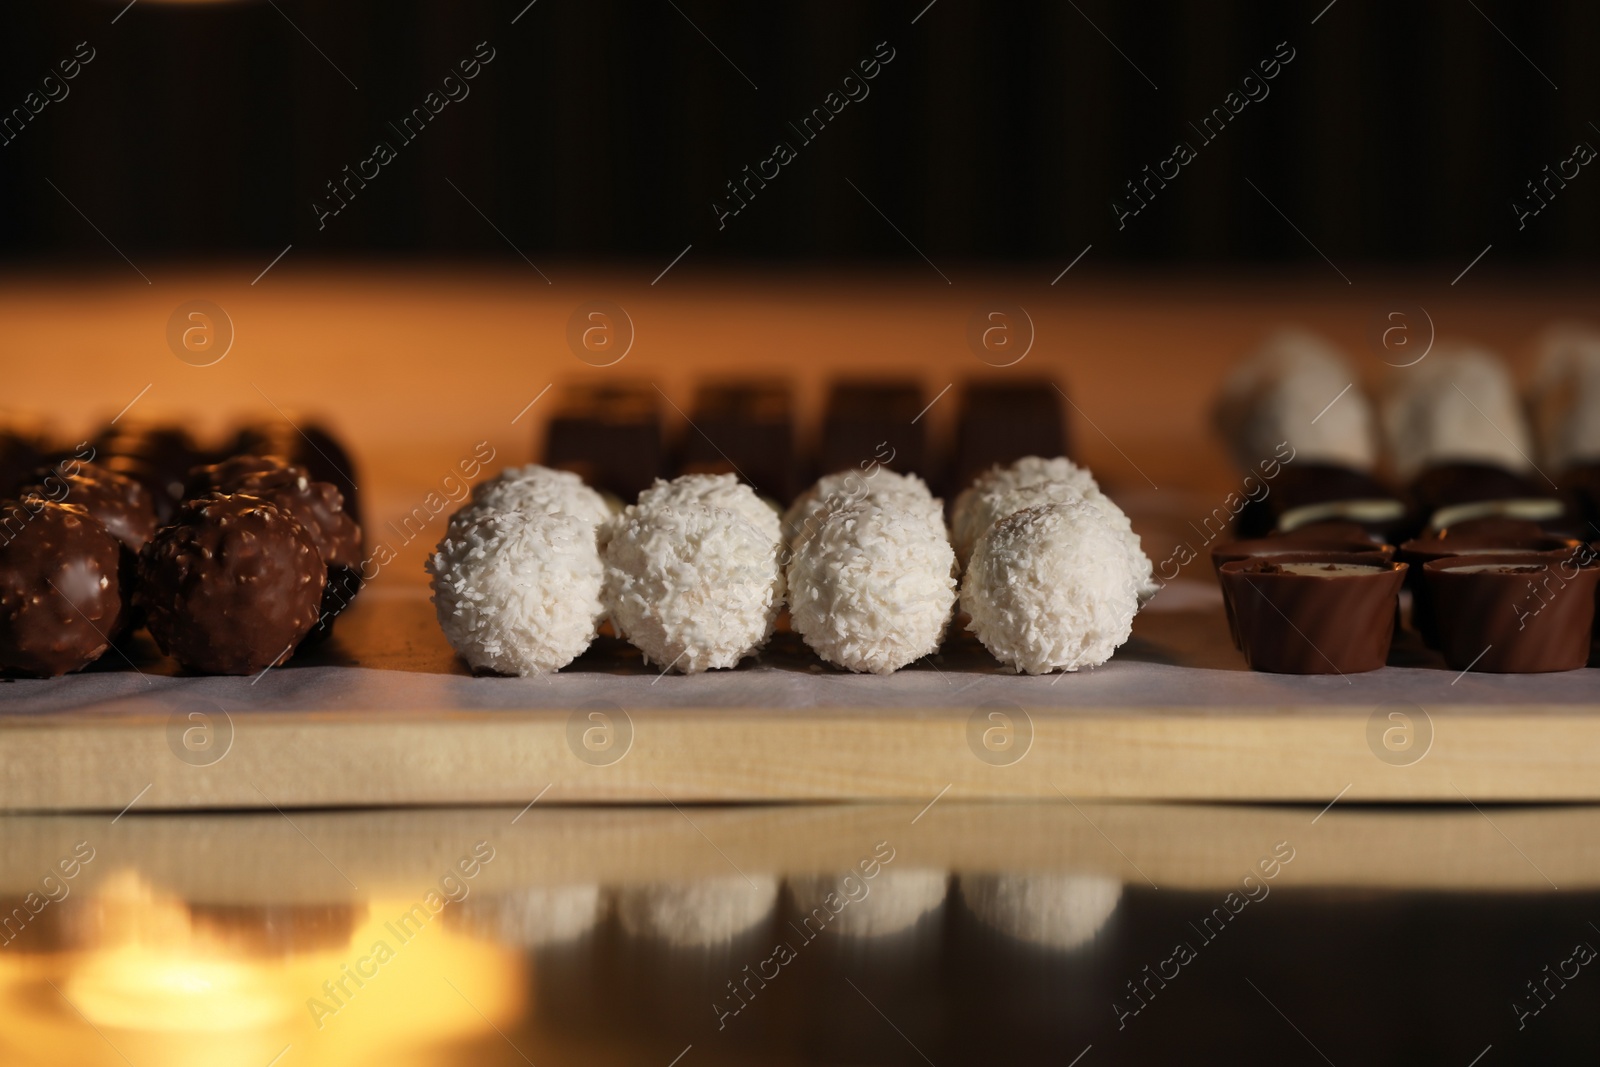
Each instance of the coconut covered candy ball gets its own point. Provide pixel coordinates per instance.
(540, 490)
(692, 575)
(1050, 588)
(1033, 481)
(518, 592)
(231, 586)
(60, 598)
(874, 588)
(905, 492)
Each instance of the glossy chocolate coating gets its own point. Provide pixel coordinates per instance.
(305, 443)
(123, 506)
(871, 422)
(1311, 624)
(60, 594)
(1302, 485)
(1001, 423)
(159, 457)
(1526, 615)
(1496, 536)
(231, 586)
(316, 505)
(20, 454)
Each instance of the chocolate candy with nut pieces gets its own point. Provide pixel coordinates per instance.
(231, 586)
(60, 596)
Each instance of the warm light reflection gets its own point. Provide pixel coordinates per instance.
(163, 987)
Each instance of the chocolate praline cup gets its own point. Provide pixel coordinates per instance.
(1336, 549)
(1488, 536)
(1530, 614)
(1295, 623)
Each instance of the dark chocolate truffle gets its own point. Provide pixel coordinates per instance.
(231, 586)
(60, 596)
(305, 443)
(157, 456)
(316, 505)
(123, 505)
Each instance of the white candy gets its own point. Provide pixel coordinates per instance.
(1058, 911)
(1031, 481)
(1456, 406)
(892, 902)
(1283, 392)
(532, 917)
(1565, 397)
(700, 914)
(517, 593)
(1051, 588)
(843, 488)
(694, 585)
(534, 489)
(873, 588)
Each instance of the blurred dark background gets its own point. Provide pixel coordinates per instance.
(607, 129)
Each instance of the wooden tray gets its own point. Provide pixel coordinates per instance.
(387, 716)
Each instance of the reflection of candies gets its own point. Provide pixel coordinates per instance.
(60, 595)
(1056, 911)
(709, 912)
(892, 902)
(532, 917)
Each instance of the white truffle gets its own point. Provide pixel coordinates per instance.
(844, 488)
(873, 589)
(703, 914)
(892, 902)
(1057, 911)
(532, 917)
(976, 507)
(1050, 588)
(694, 586)
(1456, 406)
(1565, 396)
(517, 593)
(1032, 481)
(723, 491)
(535, 489)
(1282, 393)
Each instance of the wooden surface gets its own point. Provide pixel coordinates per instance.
(267, 858)
(415, 368)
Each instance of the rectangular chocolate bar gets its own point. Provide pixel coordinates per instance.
(1001, 422)
(610, 435)
(868, 422)
(744, 428)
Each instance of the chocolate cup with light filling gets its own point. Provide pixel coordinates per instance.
(1230, 589)
(1314, 616)
(1519, 614)
(1304, 494)
(1491, 536)
(1448, 494)
(1336, 543)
